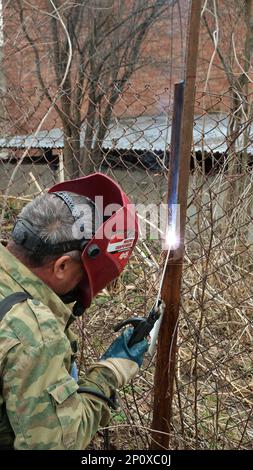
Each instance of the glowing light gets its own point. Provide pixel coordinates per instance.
(171, 240)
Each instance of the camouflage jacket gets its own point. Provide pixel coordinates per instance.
(39, 404)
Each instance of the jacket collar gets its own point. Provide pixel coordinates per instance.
(21, 278)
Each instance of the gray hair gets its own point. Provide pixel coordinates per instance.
(53, 222)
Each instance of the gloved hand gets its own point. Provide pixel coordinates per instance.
(119, 348)
(124, 361)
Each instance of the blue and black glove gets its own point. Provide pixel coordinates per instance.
(122, 360)
(120, 350)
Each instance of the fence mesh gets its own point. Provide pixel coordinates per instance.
(213, 403)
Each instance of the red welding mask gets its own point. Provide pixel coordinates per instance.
(106, 254)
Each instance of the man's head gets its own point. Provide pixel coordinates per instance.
(52, 220)
(82, 230)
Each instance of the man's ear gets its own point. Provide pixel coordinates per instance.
(61, 266)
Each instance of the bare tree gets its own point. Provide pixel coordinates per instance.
(229, 24)
(94, 47)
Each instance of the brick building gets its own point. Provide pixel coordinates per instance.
(148, 91)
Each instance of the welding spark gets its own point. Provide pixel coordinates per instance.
(171, 241)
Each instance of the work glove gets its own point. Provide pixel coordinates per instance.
(121, 359)
(74, 371)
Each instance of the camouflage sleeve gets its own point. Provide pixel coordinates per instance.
(42, 403)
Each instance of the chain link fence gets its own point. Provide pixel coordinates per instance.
(214, 374)
(213, 383)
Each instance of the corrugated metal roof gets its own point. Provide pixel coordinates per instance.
(151, 133)
(43, 140)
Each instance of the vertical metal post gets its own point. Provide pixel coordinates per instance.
(167, 341)
(61, 176)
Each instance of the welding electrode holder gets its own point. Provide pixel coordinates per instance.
(142, 326)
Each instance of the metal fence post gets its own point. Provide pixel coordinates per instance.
(167, 341)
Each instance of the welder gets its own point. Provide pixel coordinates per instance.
(67, 245)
